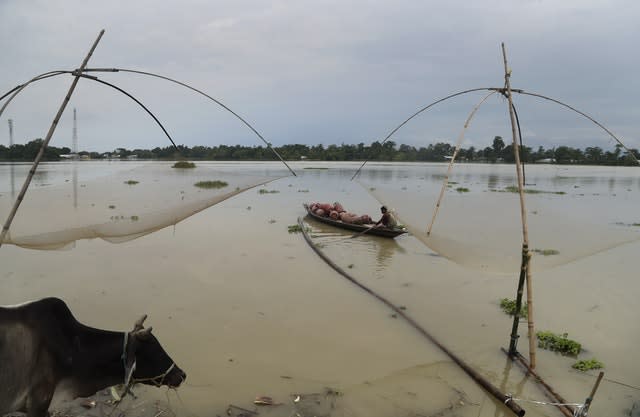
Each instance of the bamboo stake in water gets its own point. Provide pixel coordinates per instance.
(453, 158)
(523, 214)
(45, 143)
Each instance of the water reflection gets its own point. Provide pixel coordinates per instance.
(13, 180)
(75, 184)
(493, 180)
(386, 249)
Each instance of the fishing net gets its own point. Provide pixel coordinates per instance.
(121, 205)
(478, 224)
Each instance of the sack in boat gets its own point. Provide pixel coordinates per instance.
(338, 207)
(326, 207)
(348, 217)
(334, 215)
(362, 219)
(319, 212)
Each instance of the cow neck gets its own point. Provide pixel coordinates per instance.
(99, 358)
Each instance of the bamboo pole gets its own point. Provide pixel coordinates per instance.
(589, 399)
(455, 153)
(526, 259)
(530, 326)
(567, 410)
(45, 143)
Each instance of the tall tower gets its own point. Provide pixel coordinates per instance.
(74, 150)
(10, 132)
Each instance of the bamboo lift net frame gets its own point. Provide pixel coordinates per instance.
(80, 73)
(526, 255)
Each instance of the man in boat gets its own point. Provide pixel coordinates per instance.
(387, 220)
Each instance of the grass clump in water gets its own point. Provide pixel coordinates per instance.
(558, 343)
(295, 228)
(316, 168)
(211, 184)
(547, 252)
(509, 307)
(184, 164)
(131, 182)
(587, 365)
(462, 189)
(265, 191)
(514, 189)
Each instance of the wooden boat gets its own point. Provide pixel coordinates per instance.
(378, 231)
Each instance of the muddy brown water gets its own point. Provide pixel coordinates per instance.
(248, 309)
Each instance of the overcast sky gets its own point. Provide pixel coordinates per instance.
(323, 72)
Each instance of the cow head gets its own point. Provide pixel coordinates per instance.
(146, 361)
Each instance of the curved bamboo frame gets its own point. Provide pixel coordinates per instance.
(503, 91)
(16, 90)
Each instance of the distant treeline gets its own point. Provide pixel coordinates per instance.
(389, 151)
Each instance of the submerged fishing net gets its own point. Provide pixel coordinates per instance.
(478, 224)
(122, 205)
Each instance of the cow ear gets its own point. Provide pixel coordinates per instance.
(138, 324)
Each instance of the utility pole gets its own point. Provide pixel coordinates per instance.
(10, 132)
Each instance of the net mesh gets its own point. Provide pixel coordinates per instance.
(120, 206)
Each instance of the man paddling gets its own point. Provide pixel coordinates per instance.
(387, 219)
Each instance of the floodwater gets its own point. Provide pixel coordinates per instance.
(248, 309)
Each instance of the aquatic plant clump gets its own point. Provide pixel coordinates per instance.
(509, 307)
(131, 182)
(462, 189)
(211, 184)
(295, 228)
(558, 343)
(587, 365)
(547, 252)
(514, 189)
(265, 191)
(184, 164)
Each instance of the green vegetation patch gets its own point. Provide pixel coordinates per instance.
(211, 184)
(558, 343)
(295, 228)
(587, 365)
(635, 224)
(131, 182)
(509, 307)
(265, 191)
(184, 164)
(316, 168)
(514, 189)
(462, 189)
(547, 252)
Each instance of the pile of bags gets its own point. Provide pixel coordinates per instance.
(337, 212)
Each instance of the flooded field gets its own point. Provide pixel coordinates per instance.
(248, 309)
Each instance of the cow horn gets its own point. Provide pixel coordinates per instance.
(138, 324)
(143, 333)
